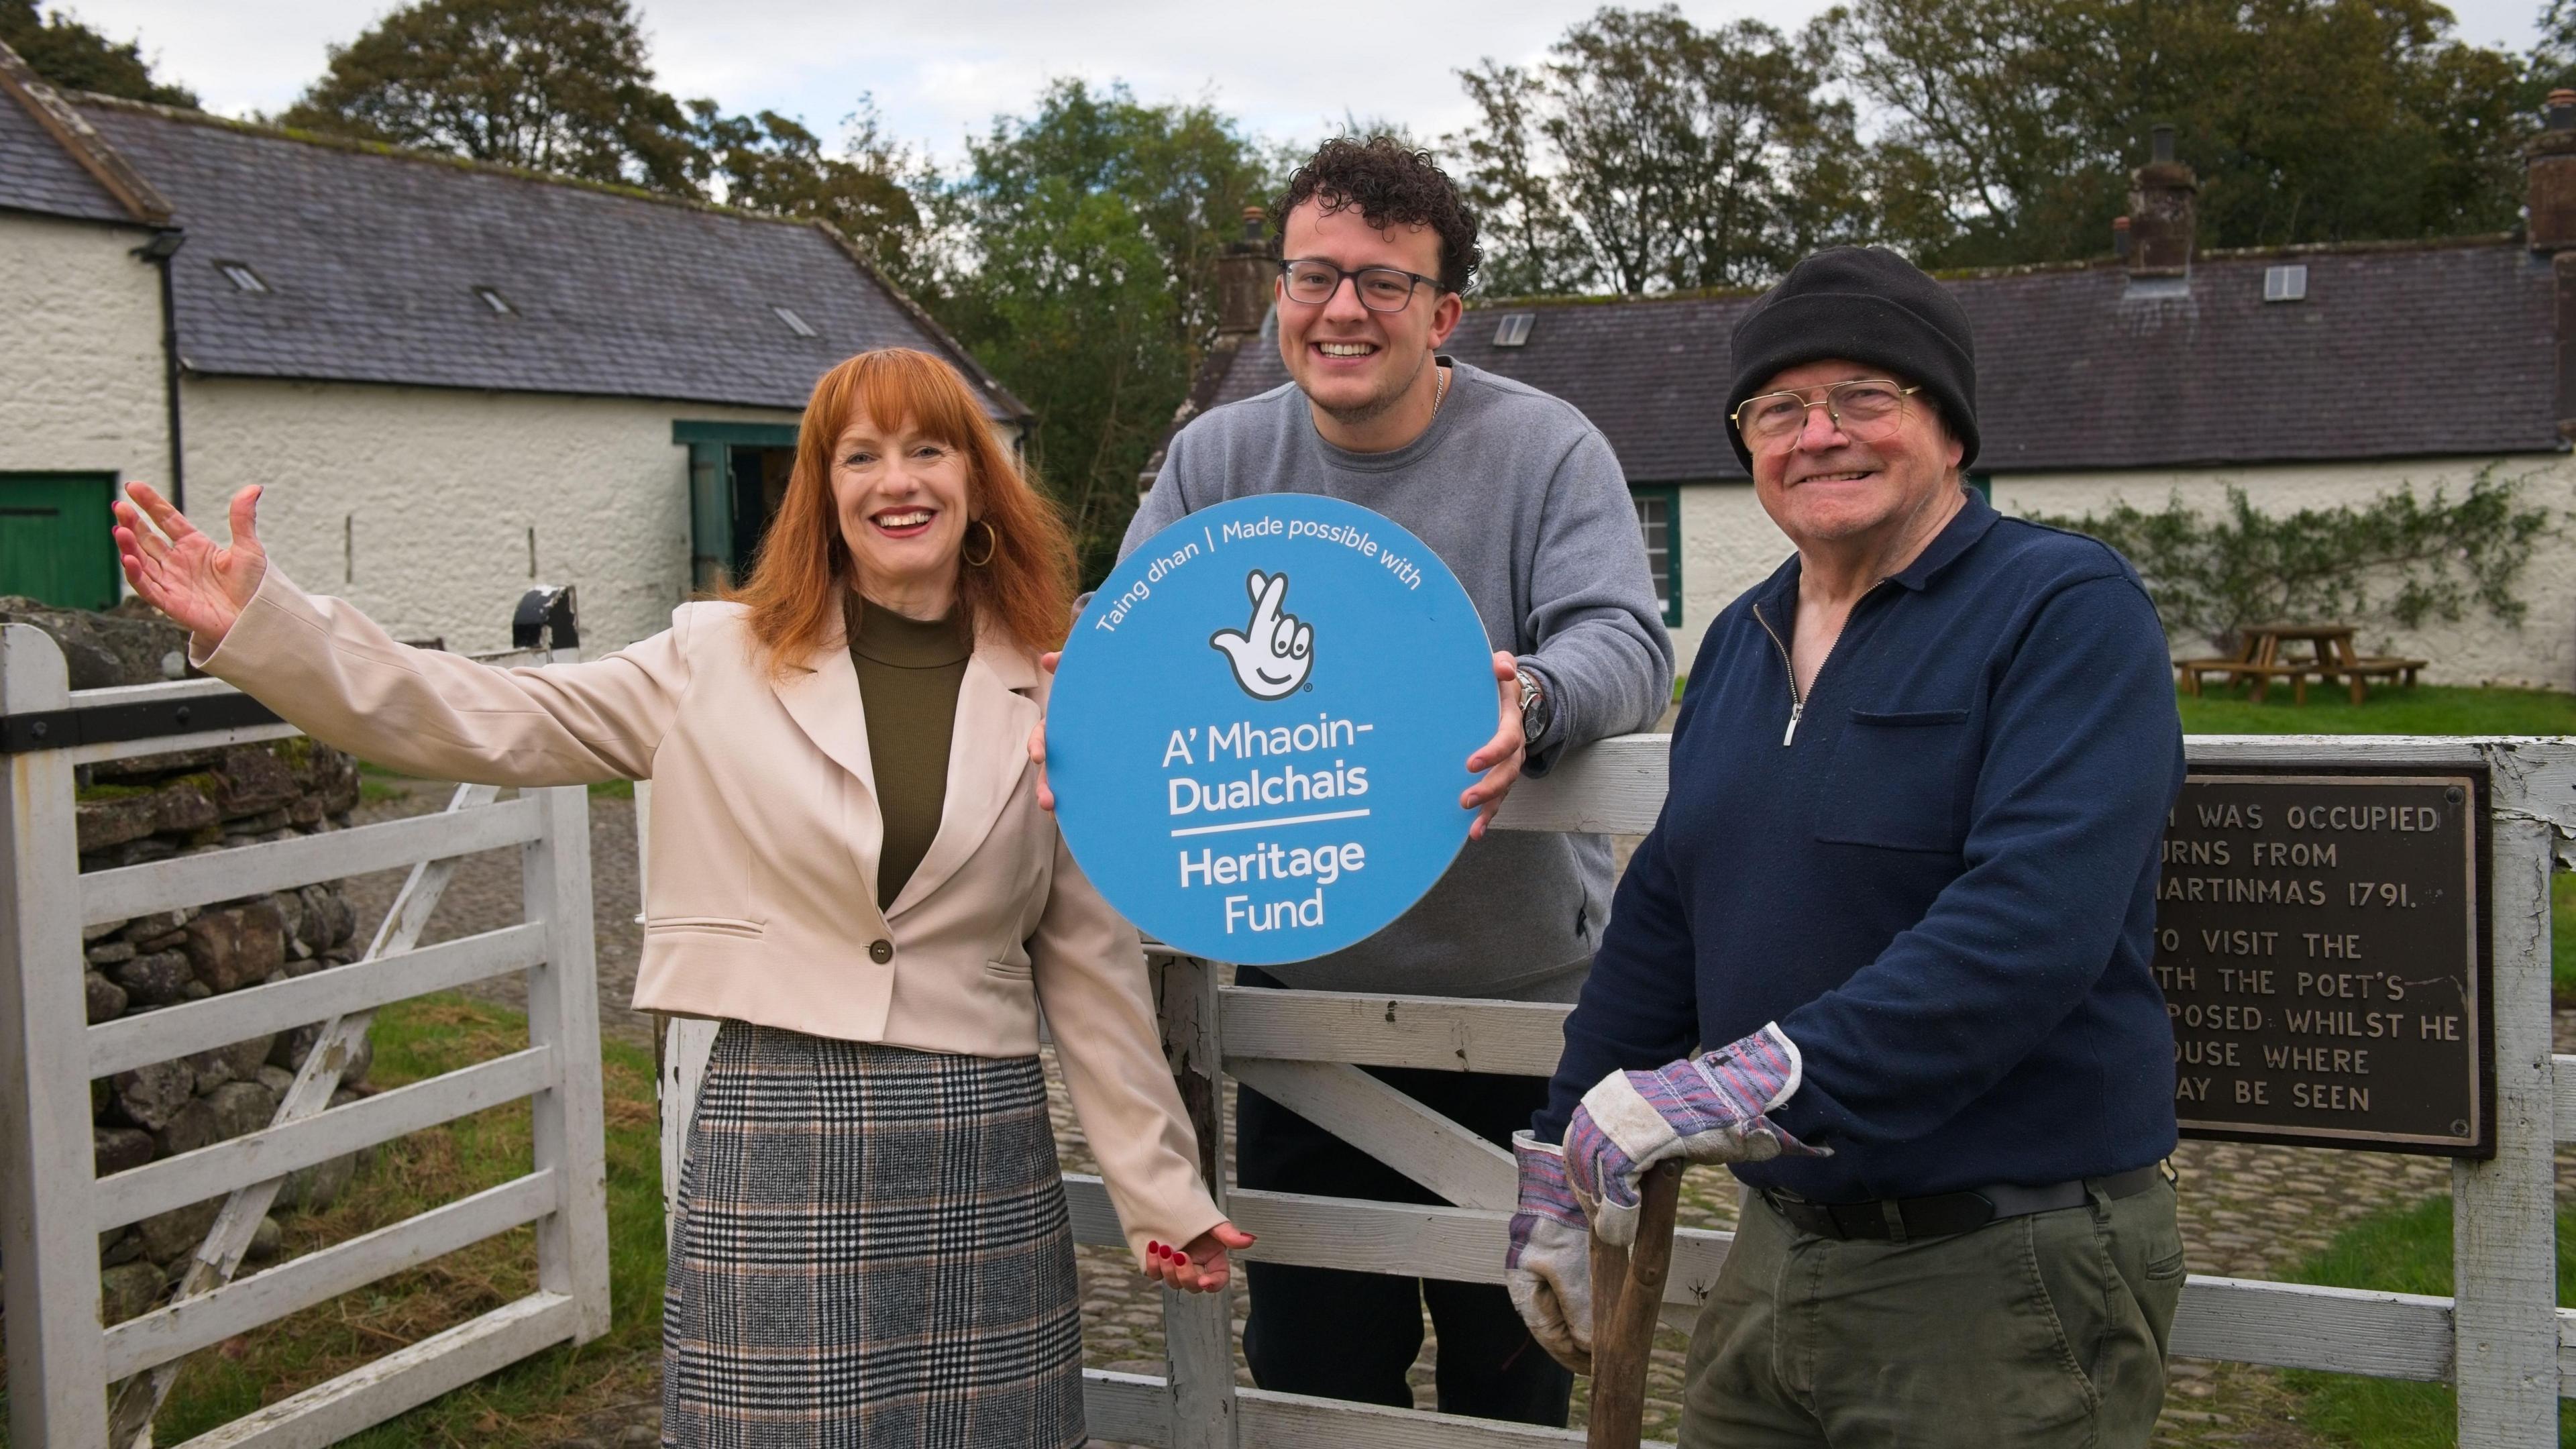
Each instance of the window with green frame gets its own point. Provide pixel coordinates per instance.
(1659, 518)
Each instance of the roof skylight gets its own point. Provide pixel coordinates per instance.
(795, 324)
(1514, 330)
(241, 276)
(493, 299)
(2285, 284)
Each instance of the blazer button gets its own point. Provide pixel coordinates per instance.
(881, 951)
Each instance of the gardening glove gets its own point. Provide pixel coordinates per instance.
(1700, 1109)
(1549, 1267)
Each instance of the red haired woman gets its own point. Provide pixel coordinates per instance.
(849, 869)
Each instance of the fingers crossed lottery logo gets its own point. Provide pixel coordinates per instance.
(1273, 653)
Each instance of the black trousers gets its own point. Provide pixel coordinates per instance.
(1345, 1335)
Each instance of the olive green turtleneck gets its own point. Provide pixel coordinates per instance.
(909, 671)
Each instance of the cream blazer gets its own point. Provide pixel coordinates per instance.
(761, 900)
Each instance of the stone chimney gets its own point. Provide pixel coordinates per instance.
(1246, 275)
(2161, 212)
(2549, 175)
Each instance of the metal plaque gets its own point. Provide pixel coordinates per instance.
(2320, 943)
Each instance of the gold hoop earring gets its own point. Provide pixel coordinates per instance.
(992, 541)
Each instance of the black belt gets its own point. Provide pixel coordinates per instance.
(1906, 1218)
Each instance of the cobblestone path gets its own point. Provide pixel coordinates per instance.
(2247, 1211)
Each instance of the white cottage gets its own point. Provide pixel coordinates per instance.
(453, 379)
(2308, 376)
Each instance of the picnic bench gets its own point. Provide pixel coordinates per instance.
(2330, 656)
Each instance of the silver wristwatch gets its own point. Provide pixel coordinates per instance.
(1533, 704)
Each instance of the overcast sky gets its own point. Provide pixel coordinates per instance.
(941, 69)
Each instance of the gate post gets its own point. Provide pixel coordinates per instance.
(563, 1012)
(48, 1240)
(2504, 1230)
(1198, 1328)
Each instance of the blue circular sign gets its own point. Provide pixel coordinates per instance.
(1260, 728)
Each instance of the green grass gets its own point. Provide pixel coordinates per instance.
(2427, 709)
(2403, 1251)
(535, 1402)
(375, 782)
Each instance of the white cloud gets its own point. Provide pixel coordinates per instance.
(942, 70)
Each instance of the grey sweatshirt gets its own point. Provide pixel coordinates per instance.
(1521, 496)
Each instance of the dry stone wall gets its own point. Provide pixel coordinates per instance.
(161, 806)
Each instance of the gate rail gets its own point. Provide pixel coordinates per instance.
(53, 1206)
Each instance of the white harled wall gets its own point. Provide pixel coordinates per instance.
(1729, 544)
(81, 374)
(417, 504)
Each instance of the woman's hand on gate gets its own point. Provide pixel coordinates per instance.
(203, 587)
(1200, 1267)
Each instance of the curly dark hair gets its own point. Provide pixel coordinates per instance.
(1391, 186)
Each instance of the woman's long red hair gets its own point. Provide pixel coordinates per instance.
(796, 584)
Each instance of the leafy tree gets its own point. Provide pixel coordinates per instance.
(1081, 269)
(76, 57)
(1528, 240)
(553, 85)
(2394, 558)
(2012, 125)
(1647, 152)
(768, 162)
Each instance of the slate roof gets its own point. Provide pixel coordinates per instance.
(372, 260)
(2428, 350)
(38, 175)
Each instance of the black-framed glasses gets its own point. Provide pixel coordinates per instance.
(1867, 408)
(1380, 289)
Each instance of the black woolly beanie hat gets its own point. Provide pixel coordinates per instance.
(1869, 305)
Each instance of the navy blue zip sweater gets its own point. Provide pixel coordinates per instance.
(1941, 884)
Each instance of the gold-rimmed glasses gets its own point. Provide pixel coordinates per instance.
(1865, 408)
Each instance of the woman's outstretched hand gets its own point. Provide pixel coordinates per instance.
(202, 587)
(1200, 1267)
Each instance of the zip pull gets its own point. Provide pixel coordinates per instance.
(1791, 733)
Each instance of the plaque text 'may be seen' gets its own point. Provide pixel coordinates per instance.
(2317, 942)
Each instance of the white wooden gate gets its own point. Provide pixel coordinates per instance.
(2501, 1338)
(53, 1207)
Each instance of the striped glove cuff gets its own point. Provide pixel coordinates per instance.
(1545, 1195)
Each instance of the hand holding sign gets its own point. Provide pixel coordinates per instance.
(1278, 787)
(1273, 654)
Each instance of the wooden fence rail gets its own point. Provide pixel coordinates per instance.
(53, 1206)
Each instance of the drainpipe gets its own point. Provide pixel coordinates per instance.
(164, 245)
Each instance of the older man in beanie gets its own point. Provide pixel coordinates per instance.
(1886, 952)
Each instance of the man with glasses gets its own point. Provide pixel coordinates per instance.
(1886, 952)
(1522, 498)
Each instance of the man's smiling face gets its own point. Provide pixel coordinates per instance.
(1826, 487)
(1351, 362)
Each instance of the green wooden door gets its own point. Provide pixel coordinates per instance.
(54, 540)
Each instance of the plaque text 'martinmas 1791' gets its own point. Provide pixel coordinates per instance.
(2317, 939)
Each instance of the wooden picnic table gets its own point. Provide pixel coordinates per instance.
(2330, 655)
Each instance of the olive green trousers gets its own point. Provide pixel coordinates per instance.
(2039, 1332)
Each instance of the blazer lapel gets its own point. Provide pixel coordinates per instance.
(823, 698)
(987, 757)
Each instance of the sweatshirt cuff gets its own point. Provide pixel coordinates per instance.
(1538, 754)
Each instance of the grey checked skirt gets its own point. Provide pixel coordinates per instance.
(872, 1250)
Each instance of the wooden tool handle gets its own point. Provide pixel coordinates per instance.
(1627, 1289)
